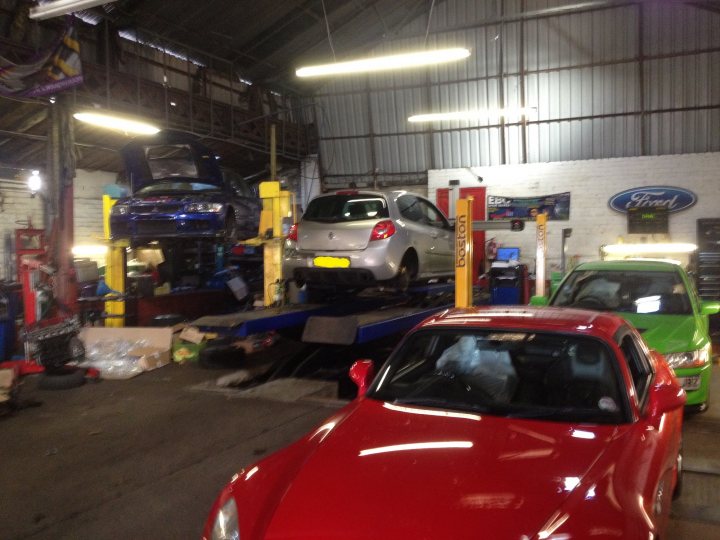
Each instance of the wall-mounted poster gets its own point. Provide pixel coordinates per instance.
(557, 207)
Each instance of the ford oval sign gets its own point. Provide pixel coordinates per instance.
(672, 198)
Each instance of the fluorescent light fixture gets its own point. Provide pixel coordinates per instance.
(57, 8)
(126, 125)
(640, 249)
(475, 114)
(386, 63)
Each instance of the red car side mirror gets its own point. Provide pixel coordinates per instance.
(362, 373)
(665, 398)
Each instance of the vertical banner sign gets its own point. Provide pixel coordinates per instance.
(541, 222)
(463, 253)
(49, 71)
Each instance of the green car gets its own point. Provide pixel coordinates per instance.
(660, 300)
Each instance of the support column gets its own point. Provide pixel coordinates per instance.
(60, 200)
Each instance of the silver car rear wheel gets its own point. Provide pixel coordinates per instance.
(407, 273)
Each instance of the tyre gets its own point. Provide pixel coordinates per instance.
(62, 378)
(407, 273)
(231, 228)
(221, 357)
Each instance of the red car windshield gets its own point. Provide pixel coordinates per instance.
(548, 376)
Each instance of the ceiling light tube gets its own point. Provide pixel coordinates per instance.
(638, 249)
(63, 7)
(385, 63)
(120, 123)
(475, 114)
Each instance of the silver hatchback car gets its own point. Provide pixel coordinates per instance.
(363, 238)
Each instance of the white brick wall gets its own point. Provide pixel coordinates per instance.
(18, 206)
(591, 184)
(88, 205)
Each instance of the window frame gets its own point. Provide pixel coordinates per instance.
(639, 365)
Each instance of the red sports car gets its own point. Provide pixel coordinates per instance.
(497, 423)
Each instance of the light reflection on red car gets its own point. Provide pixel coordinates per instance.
(502, 423)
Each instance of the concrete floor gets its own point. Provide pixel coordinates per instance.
(144, 458)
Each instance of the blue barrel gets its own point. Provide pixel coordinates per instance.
(10, 307)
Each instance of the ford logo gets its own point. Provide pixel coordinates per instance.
(672, 198)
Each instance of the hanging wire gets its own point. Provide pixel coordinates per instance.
(327, 27)
(427, 30)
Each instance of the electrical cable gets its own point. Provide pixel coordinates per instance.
(427, 30)
(327, 27)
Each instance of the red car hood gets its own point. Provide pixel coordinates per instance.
(410, 472)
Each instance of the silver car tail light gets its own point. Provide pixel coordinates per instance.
(382, 230)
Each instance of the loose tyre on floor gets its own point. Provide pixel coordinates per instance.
(62, 379)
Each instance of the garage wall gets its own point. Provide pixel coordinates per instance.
(88, 205)
(17, 205)
(591, 184)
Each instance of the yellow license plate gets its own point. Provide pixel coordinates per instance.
(331, 262)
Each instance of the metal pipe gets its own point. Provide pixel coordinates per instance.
(532, 122)
(273, 154)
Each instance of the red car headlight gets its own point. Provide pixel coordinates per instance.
(226, 525)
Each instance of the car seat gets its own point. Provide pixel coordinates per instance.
(582, 379)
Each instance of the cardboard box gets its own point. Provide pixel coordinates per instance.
(7, 381)
(192, 334)
(149, 358)
(153, 354)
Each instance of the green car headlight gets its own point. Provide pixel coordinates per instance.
(226, 526)
(204, 207)
(690, 359)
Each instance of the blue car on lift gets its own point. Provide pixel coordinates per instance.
(179, 191)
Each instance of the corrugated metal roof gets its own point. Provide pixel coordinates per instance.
(605, 79)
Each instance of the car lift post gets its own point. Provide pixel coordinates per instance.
(464, 247)
(463, 253)
(541, 249)
(115, 269)
(276, 205)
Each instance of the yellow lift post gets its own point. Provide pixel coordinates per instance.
(276, 209)
(115, 264)
(541, 249)
(463, 253)
(276, 206)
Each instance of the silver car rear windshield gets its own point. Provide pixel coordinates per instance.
(339, 208)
